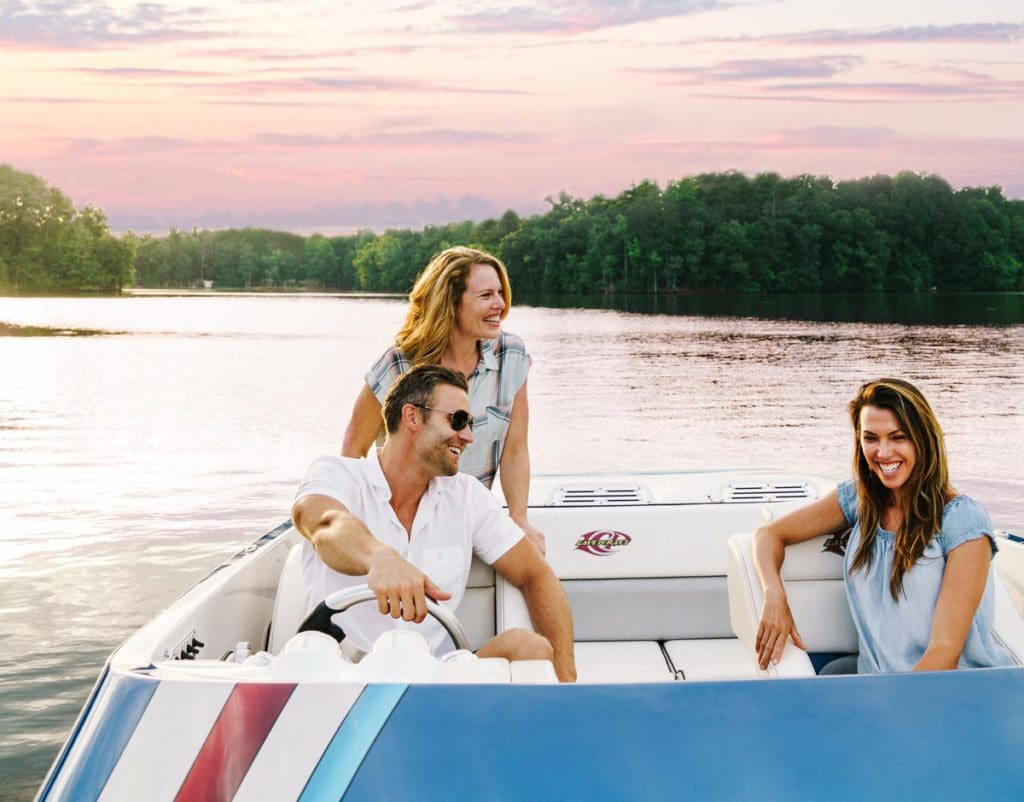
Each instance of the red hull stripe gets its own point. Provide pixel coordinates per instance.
(236, 737)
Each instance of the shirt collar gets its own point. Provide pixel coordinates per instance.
(374, 472)
(487, 354)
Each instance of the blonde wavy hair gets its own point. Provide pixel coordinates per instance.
(435, 298)
(926, 490)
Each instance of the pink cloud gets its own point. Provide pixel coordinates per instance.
(762, 76)
(880, 90)
(293, 56)
(326, 83)
(76, 25)
(577, 16)
(959, 33)
(966, 33)
(756, 69)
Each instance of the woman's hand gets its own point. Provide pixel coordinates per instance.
(533, 534)
(777, 626)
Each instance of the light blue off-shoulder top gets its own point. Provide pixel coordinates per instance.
(893, 635)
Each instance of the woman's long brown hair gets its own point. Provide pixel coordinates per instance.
(925, 492)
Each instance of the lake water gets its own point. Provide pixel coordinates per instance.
(132, 464)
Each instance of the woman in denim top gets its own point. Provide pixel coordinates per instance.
(918, 560)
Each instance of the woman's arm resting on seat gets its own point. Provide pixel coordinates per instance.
(777, 626)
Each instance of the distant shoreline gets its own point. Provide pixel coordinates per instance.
(15, 330)
(142, 292)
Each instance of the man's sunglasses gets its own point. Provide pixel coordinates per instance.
(459, 419)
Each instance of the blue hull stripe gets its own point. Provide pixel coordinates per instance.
(354, 738)
(93, 761)
(949, 735)
(58, 764)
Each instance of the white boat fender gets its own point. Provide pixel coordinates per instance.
(401, 639)
(312, 657)
(399, 655)
(458, 656)
(462, 666)
(259, 660)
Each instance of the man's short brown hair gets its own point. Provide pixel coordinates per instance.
(417, 387)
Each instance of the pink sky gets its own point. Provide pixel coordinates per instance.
(334, 115)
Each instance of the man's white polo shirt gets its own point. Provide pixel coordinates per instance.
(457, 517)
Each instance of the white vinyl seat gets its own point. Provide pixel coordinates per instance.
(642, 660)
(1009, 624)
(289, 604)
(1009, 587)
(610, 662)
(712, 659)
(814, 586)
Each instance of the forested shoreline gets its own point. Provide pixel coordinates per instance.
(717, 232)
(47, 245)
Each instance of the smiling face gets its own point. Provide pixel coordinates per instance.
(481, 306)
(438, 445)
(887, 448)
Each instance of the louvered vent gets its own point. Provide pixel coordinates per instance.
(600, 495)
(765, 492)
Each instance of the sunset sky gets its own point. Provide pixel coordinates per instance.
(328, 116)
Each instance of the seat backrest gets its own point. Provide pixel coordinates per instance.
(289, 604)
(645, 572)
(1009, 622)
(477, 609)
(1009, 586)
(814, 587)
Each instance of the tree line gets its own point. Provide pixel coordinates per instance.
(47, 245)
(711, 232)
(715, 232)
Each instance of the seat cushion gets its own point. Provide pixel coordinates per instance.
(621, 661)
(721, 658)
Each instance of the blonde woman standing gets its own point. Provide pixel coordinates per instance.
(456, 309)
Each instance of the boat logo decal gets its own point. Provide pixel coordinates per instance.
(836, 542)
(602, 542)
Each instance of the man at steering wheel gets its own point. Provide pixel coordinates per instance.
(406, 520)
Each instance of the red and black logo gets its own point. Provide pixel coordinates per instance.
(602, 542)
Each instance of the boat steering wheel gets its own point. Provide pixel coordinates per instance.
(319, 619)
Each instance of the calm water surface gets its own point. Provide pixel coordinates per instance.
(130, 465)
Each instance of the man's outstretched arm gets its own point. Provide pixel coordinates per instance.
(523, 566)
(344, 543)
